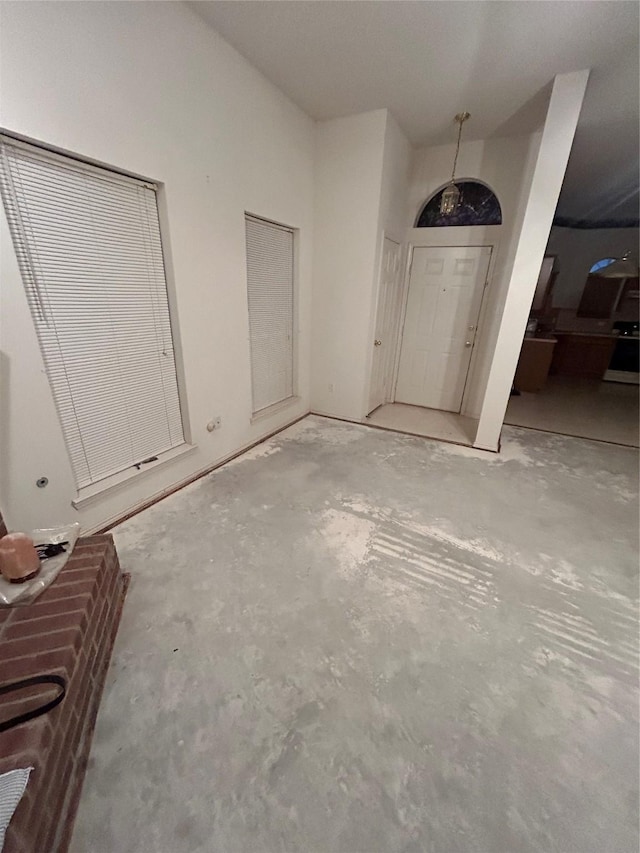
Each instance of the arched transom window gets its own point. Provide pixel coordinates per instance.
(600, 265)
(478, 205)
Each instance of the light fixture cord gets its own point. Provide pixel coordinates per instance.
(455, 159)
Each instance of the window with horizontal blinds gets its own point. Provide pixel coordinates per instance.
(270, 294)
(90, 252)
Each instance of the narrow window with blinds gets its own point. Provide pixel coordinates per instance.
(90, 254)
(270, 293)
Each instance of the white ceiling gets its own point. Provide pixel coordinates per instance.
(427, 60)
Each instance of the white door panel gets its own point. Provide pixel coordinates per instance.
(445, 294)
(387, 321)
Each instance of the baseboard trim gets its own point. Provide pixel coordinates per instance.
(154, 499)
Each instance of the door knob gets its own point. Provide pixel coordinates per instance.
(377, 343)
(467, 343)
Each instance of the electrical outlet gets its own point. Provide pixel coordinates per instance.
(331, 387)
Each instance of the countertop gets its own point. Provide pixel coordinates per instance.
(589, 334)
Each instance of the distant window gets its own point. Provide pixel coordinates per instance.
(600, 265)
(478, 206)
(270, 284)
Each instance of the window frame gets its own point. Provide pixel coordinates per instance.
(286, 402)
(88, 494)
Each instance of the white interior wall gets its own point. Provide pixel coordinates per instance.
(577, 250)
(396, 168)
(505, 165)
(349, 168)
(103, 81)
(94, 79)
(534, 219)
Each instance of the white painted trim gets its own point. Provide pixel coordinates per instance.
(191, 478)
(399, 323)
(174, 317)
(275, 408)
(295, 330)
(403, 316)
(104, 488)
(86, 164)
(385, 236)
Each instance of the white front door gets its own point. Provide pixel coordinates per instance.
(387, 320)
(445, 294)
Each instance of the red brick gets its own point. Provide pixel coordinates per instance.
(58, 661)
(32, 736)
(96, 636)
(26, 812)
(81, 561)
(60, 766)
(46, 826)
(26, 700)
(88, 573)
(66, 590)
(93, 637)
(40, 608)
(46, 625)
(68, 637)
(96, 550)
(87, 596)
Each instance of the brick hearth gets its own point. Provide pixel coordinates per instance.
(69, 630)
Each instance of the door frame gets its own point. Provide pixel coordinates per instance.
(395, 330)
(395, 238)
(472, 236)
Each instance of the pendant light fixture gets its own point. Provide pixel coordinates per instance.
(450, 198)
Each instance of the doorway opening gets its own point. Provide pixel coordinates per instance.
(419, 377)
(427, 325)
(579, 367)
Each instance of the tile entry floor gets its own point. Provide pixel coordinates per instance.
(431, 423)
(606, 411)
(352, 640)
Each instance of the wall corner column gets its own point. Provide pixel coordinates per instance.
(558, 132)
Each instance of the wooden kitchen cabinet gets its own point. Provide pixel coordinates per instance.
(582, 354)
(534, 363)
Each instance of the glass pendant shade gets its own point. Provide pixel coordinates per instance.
(449, 200)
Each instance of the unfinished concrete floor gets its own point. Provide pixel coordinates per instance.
(352, 640)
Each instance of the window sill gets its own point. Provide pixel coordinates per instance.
(90, 494)
(274, 408)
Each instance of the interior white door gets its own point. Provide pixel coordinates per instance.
(445, 294)
(387, 321)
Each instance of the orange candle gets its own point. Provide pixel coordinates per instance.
(19, 559)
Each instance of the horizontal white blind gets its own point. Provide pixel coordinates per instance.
(270, 292)
(88, 244)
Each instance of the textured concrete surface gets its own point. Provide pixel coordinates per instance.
(352, 640)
